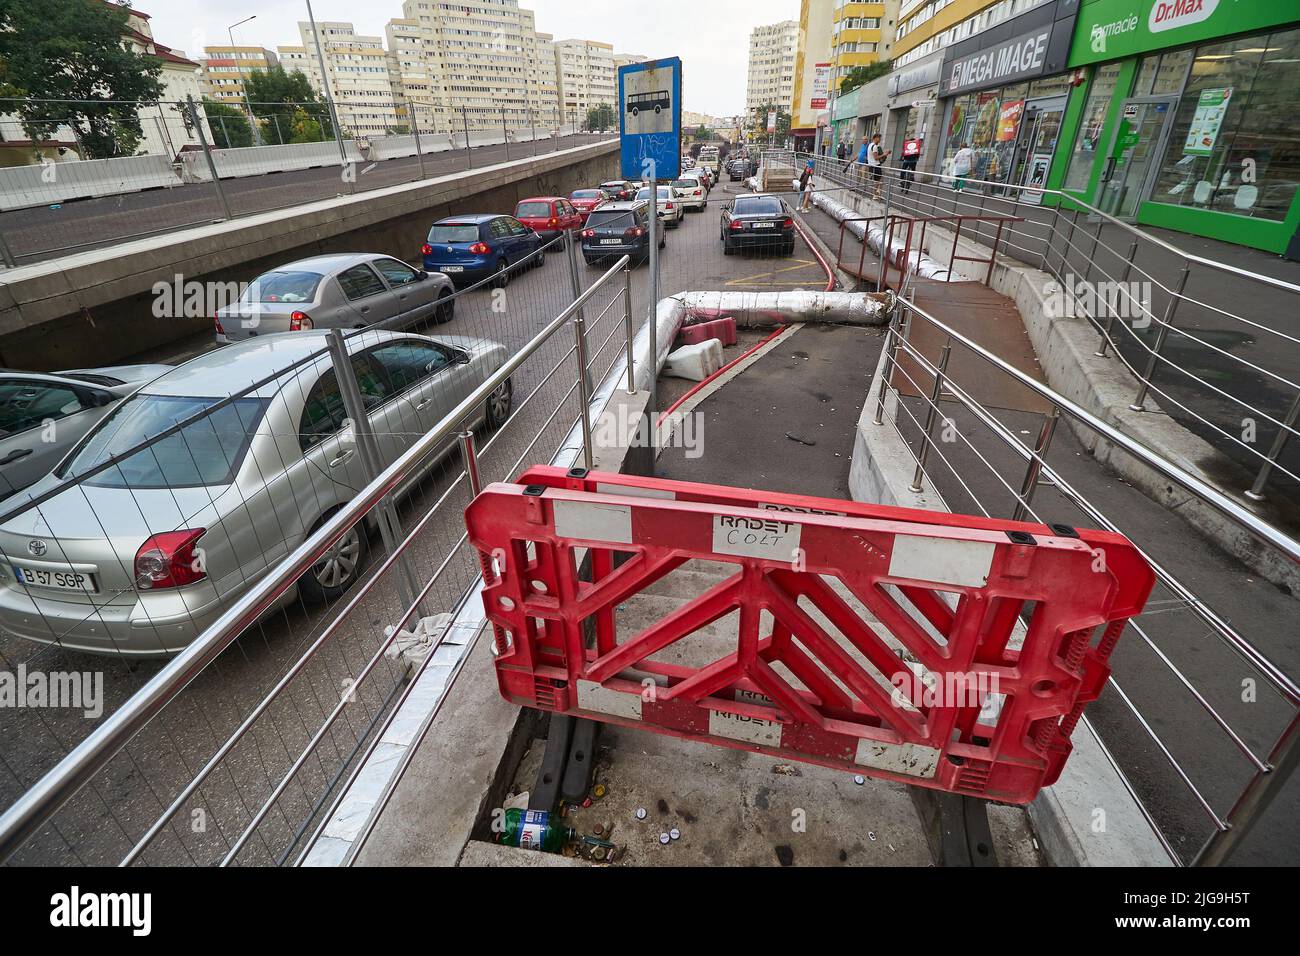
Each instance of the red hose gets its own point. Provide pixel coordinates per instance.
(830, 287)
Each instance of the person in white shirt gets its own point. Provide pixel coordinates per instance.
(962, 164)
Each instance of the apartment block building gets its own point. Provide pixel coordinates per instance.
(861, 34)
(225, 68)
(586, 74)
(357, 73)
(772, 51)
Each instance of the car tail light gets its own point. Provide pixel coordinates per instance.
(553, 222)
(635, 232)
(170, 560)
(426, 250)
(217, 322)
(588, 233)
(300, 322)
(480, 248)
(788, 223)
(670, 206)
(736, 224)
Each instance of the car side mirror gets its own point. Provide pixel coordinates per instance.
(421, 275)
(462, 358)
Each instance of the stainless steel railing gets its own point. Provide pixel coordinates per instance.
(1270, 771)
(41, 802)
(1069, 238)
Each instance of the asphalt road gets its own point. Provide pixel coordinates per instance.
(44, 232)
(100, 825)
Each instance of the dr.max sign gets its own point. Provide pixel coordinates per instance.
(1015, 59)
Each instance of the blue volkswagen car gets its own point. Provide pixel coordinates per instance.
(468, 249)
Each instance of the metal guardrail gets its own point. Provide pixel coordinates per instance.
(41, 802)
(1071, 239)
(1270, 771)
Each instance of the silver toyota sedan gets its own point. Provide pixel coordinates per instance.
(136, 558)
(349, 291)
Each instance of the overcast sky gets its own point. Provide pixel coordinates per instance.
(711, 38)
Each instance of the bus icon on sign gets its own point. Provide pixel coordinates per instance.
(658, 101)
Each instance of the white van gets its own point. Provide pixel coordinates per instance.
(708, 158)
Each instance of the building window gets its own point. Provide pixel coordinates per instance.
(1235, 142)
(1088, 141)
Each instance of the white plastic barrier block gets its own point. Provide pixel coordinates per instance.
(24, 186)
(259, 160)
(694, 362)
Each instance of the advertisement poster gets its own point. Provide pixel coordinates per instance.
(821, 86)
(1207, 119)
(1009, 120)
(771, 121)
(1036, 177)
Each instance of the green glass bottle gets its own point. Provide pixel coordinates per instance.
(533, 830)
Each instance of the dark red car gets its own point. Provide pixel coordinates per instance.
(585, 200)
(549, 216)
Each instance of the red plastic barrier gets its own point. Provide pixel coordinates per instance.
(879, 640)
(722, 329)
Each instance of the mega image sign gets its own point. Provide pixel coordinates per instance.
(1114, 29)
(1015, 59)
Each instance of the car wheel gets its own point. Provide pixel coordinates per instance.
(787, 249)
(541, 258)
(501, 278)
(497, 409)
(339, 568)
(662, 243)
(445, 310)
(726, 248)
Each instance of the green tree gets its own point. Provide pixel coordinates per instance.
(73, 50)
(861, 75)
(230, 127)
(782, 120)
(276, 98)
(601, 116)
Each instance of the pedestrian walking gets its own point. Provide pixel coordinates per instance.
(806, 186)
(962, 163)
(876, 156)
(842, 150)
(911, 155)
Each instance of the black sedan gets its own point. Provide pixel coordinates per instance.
(757, 222)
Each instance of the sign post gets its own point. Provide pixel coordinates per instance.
(650, 124)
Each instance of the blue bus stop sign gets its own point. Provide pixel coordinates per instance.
(650, 118)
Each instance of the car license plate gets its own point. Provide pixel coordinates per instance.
(453, 268)
(763, 225)
(611, 242)
(56, 580)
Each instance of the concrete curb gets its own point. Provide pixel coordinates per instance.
(1091, 788)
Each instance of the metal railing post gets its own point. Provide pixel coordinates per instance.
(470, 454)
(627, 318)
(1255, 799)
(1035, 469)
(464, 115)
(390, 529)
(1256, 492)
(207, 154)
(584, 388)
(1161, 335)
(886, 237)
(505, 133)
(1110, 320)
(1069, 242)
(575, 285)
(930, 416)
(419, 151)
(894, 335)
(6, 256)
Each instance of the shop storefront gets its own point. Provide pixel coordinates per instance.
(1191, 117)
(1004, 93)
(913, 108)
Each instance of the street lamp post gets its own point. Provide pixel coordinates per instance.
(325, 86)
(252, 123)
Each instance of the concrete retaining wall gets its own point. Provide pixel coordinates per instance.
(24, 186)
(95, 307)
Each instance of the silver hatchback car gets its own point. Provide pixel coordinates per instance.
(349, 291)
(138, 558)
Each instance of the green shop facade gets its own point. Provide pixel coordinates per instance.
(1186, 116)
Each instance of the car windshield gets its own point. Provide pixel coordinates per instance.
(282, 287)
(685, 184)
(454, 232)
(662, 192)
(206, 452)
(533, 210)
(764, 206)
(588, 194)
(610, 218)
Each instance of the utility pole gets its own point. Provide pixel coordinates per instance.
(325, 86)
(252, 123)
